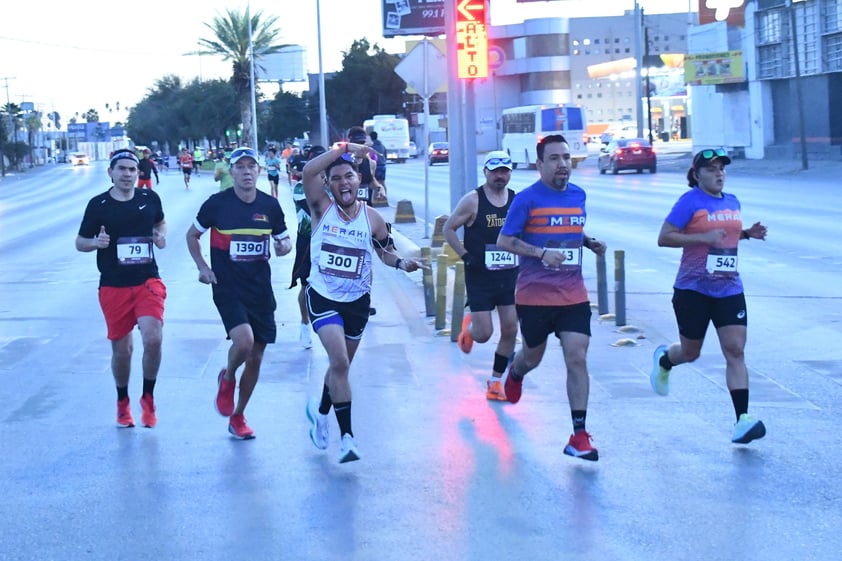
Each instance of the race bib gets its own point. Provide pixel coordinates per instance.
(497, 259)
(572, 255)
(344, 262)
(134, 250)
(246, 247)
(722, 262)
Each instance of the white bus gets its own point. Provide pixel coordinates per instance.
(393, 132)
(524, 126)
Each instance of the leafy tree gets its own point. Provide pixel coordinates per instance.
(286, 117)
(231, 42)
(33, 125)
(91, 116)
(367, 85)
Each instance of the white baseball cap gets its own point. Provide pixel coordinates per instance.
(497, 159)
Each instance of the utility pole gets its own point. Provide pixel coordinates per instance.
(638, 54)
(648, 90)
(799, 98)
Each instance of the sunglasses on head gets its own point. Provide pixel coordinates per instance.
(709, 154)
(243, 152)
(498, 161)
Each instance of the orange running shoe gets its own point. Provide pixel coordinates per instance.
(579, 446)
(494, 390)
(237, 426)
(147, 417)
(464, 340)
(224, 401)
(124, 413)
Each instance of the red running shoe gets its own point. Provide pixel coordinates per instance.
(512, 387)
(124, 413)
(579, 446)
(147, 417)
(237, 426)
(225, 394)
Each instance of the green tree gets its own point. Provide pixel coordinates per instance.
(231, 42)
(367, 85)
(91, 116)
(33, 125)
(286, 117)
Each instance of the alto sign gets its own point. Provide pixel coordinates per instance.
(471, 39)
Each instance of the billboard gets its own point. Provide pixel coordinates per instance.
(413, 17)
(732, 12)
(708, 69)
(287, 65)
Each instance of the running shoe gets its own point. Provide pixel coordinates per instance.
(349, 452)
(579, 446)
(660, 376)
(319, 432)
(747, 429)
(494, 390)
(147, 406)
(124, 413)
(464, 340)
(237, 426)
(513, 388)
(224, 402)
(305, 338)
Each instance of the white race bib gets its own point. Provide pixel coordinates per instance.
(134, 250)
(722, 262)
(247, 247)
(497, 259)
(344, 262)
(572, 256)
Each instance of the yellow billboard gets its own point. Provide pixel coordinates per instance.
(709, 69)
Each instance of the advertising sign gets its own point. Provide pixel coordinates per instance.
(471, 39)
(733, 12)
(413, 17)
(709, 69)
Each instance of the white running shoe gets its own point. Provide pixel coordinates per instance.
(319, 432)
(349, 452)
(305, 338)
(747, 429)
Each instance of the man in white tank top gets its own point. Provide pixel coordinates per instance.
(345, 233)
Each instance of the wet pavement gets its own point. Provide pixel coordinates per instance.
(444, 474)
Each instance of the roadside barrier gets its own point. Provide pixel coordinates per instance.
(441, 292)
(427, 278)
(438, 231)
(620, 287)
(458, 302)
(404, 214)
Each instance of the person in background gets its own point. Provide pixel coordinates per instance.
(198, 159)
(273, 170)
(145, 168)
(122, 225)
(185, 162)
(380, 167)
(706, 223)
(222, 171)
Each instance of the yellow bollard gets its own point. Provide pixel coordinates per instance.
(458, 302)
(441, 292)
(438, 231)
(429, 288)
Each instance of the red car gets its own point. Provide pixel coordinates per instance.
(438, 153)
(628, 153)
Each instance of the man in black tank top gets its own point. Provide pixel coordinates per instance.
(490, 272)
(369, 185)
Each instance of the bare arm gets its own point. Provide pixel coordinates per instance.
(206, 274)
(463, 215)
(519, 247)
(100, 241)
(387, 252)
(159, 234)
(594, 244)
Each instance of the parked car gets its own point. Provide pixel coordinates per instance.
(80, 159)
(438, 153)
(627, 153)
(413, 149)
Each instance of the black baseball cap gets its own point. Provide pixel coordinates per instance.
(705, 157)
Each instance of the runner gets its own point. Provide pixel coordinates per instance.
(273, 170)
(185, 161)
(146, 167)
(345, 232)
(545, 225)
(241, 220)
(707, 224)
(121, 225)
(490, 273)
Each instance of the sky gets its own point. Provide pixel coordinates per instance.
(77, 55)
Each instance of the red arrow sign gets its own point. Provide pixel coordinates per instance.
(465, 9)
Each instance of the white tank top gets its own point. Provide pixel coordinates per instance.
(340, 255)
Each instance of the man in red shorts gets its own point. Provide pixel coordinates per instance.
(122, 225)
(146, 167)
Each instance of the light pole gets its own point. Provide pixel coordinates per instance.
(251, 83)
(798, 94)
(322, 103)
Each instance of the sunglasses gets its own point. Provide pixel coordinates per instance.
(498, 161)
(348, 157)
(239, 152)
(710, 154)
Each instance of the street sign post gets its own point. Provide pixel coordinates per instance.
(471, 39)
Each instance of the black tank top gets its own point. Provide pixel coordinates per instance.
(486, 226)
(364, 193)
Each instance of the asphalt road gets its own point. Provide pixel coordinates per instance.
(445, 475)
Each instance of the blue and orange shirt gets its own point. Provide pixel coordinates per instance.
(554, 219)
(711, 270)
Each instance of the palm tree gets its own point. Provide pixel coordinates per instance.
(231, 42)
